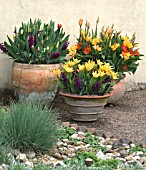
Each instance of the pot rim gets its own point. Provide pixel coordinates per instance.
(35, 66)
(84, 96)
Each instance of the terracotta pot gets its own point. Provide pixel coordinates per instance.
(34, 78)
(85, 108)
(117, 92)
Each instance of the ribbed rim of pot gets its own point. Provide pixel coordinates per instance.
(84, 96)
(36, 66)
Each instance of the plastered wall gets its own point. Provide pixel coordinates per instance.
(128, 15)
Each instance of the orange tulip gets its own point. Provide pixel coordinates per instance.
(80, 22)
(125, 67)
(79, 46)
(87, 50)
(109, 31)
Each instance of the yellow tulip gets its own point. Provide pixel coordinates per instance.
(106, 67)
(87, 38)
(126, 55)
(128, 44)
(96, 47)
(124, 38)
(96, 41)
(57, 72)
(76, 61)
(101, 73)
(99, 62)
(115, 46)
(72, 51)
(65, 65)
(70, 63)
(114, 75)
(81, 67)
(69, 69)
(95, 75)
(89, 65)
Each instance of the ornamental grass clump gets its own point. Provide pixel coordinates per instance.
(90, 78)
(37, 43)
(107, 45)
(28, 126)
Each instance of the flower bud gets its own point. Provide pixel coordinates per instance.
(47, 48)
(59, 26)
(21, 32)
(88, 25)
(80, 22)
(109, 31)
(32, 46)
(57, 45)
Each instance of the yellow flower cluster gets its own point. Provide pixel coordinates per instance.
(99, 69)
(126, 56)
(72, 51)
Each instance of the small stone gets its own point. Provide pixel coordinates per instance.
(137, 157)
(15, 152)
(64, 157)
(46, 157)
(116, 145)
(1, 168)
(121, 159)
(66, 124)
(82, 128)
(100, 155)
(61, 150)
(70, 150)
(58, 156)
(91, 130)
(88, 161)
(123, 153)
(28, 163)
(110, 155)
(142, 160)
(130, 158)
(126, 146)
(35, 160)
(65, 140)
(59, 144)
(74, 136)
(109, 146)
(71, 155)
(125, 141)
(116, 154)
(70, 142)
(139, 153)
(77, 148)
(22, 157)
(132, 145)
(78, 143)
(75, 126)
(87, 145)
(81, 134)
(64, 144)
(30, 154)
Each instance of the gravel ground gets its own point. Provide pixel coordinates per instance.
(126, 119)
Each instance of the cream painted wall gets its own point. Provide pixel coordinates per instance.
(128, 15)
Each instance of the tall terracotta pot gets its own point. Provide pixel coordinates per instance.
(85, 108)
(117, 92)
(35, 80)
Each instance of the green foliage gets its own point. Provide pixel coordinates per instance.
(37, 43)
(93, 141)
(66, 132)
(30, 126)
(108, 164)
(137, 148)
(133, 167)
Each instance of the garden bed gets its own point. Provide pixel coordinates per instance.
(125, 119)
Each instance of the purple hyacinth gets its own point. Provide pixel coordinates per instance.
(55, 55)
(97, 85)
(3, 48)
(78, 83)
(63, 77)
(31, 41)
(108, 79)
(65, 45)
